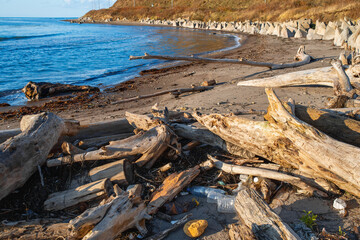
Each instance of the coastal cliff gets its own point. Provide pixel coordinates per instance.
(229, 10)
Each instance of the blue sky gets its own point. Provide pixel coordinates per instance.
(50, 8)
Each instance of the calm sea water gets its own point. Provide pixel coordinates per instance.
(50, 50)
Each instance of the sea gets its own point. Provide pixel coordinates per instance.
(56, 51)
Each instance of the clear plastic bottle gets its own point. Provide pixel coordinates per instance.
(202, 191)
(213, 197)
(226, 204)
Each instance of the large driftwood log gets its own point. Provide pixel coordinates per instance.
(301, 57)
(68, 198)
(291, 143)
(171, 187)
(175, 92)
(101, 141)
(119, 172)
(39, 90)
(21, 155)
(258, 216)
(265, 173)
(339, 127)
(150, 145)
(110, 219)
(318, 76)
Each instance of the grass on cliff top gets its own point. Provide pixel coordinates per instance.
(231, 10)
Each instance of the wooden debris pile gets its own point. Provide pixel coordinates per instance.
(131, 167)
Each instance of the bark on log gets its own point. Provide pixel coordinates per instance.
(171, 187)
(265, 173)
(339, 127)
(258, 216)
(150, 145)
(68, 198)
(43, 89)
(291, 143)
(21, 155)
(301, 57)
(102, 141)
(119, 172)
(175, 92)
(240, 231)
(318, 76)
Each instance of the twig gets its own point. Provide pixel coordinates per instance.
(41, 176)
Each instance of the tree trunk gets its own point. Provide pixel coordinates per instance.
(21, 155)
(43, 89)
(150, 145)
(258, 216)
(291, 143)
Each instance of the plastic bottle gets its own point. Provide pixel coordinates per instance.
(213, 197)
(226, 204)
(202, 191)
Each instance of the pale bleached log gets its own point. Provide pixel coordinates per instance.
(150, 145)
(101, 141)
(171, 187)
(254, 213)
(6, 134)
(119, 172)
(61, 200)
(301, 57)
(265, 173)
(21, 155)
(291, 143)
(342, 84)
(318, 76)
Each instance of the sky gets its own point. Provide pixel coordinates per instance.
(50, 8)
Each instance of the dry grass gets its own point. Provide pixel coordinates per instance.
(232, 10)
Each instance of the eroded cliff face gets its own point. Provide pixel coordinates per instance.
(228, 10)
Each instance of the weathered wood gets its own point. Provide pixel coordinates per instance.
(339, 127)
(164, 233)
(318, 76)
(119, 172)
(301, 57)
(40, 90)
(239, 231)
(265, 173)
(175, 92)
(102, 141)
(342, 83)
(258, 216)
(150, 145)
(171, 186)
(21, 155)
(291, 143)
(68, 198)
(70, 149)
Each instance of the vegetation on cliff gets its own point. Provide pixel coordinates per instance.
(229, 10)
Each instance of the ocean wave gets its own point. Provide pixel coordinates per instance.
(27, 37)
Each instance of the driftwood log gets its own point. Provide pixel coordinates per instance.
(21, 155)
(318, 76)
(301, 57)
(61, 200)
(291, 143)
(270, 174)
(241, 232)
(258, 216)
(175, 92)
(171, 187)
(150, 145)
(102, 141)
(40, 90)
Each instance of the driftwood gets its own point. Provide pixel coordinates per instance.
(241, 232)
(175, 92)
(40, 90)
(265, 173)
(21, 155)
(110, 219)
(68, 198)
(291, 143)
(339, 127)
(258, 216)
(171, 187)
(150, 145)
(101, 141)
(119, 172)
(164, 233)
(318, 76)
(301, 57)
(69, 149)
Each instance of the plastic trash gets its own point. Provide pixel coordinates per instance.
(226, 204)
(202, 191)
